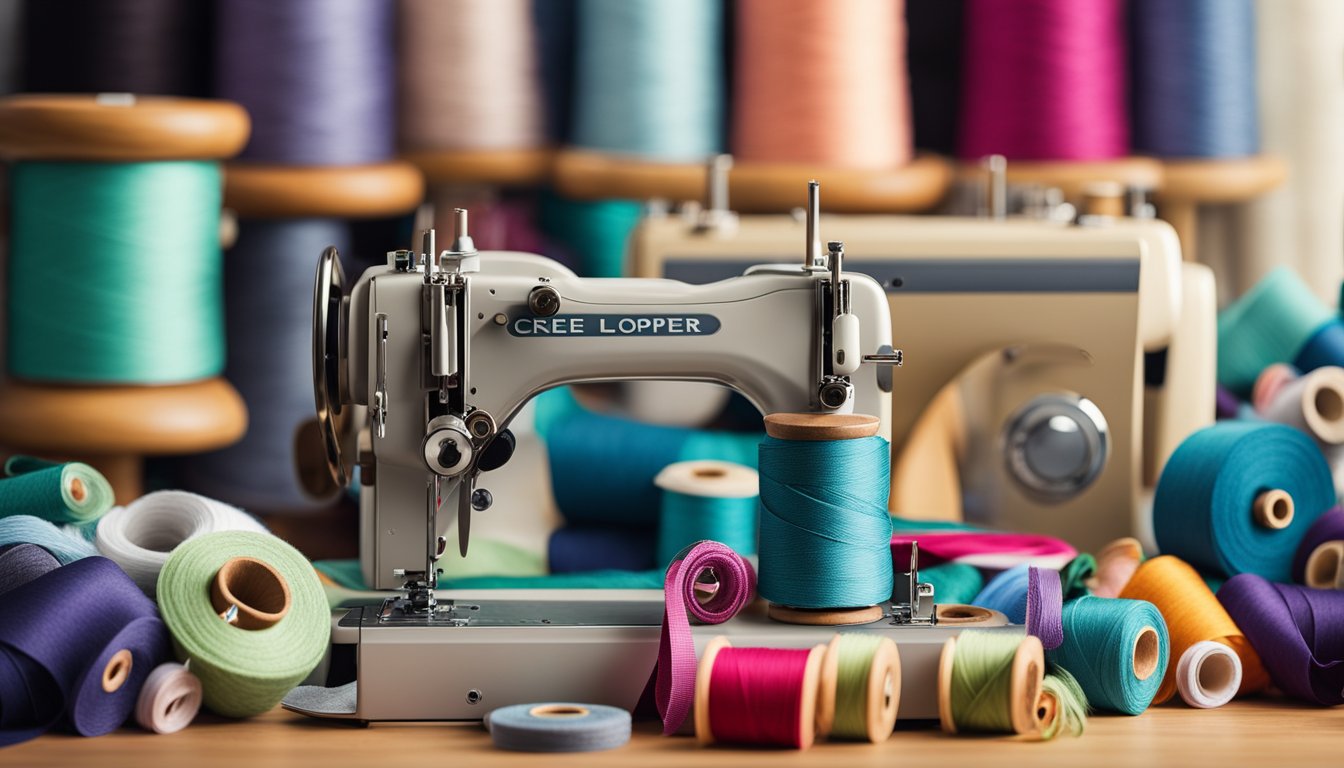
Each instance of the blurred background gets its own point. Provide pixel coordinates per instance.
(561, 124)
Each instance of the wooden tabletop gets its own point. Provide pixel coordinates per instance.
(1243, 733)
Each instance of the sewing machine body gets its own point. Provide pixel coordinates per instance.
(1036, 322)
(503, 647)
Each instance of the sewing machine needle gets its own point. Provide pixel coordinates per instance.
(464, 515)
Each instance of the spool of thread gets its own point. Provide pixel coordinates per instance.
(1193, 615)
(990, 682)
(1319, 562)
(1044, 80)
(134, 46)
(953, 582)
(649, 78)
(1117, 649)
(150, 232)
(1208, 675)
(603, 467)
(990, 550)
(707, 499)
(468, 75)
(1269, 383)
(244, 672)
(62, 493)
(558, 727)
(85, 662)
(675, 686)
(1274, 322)
(140, 536)
(269, 327)
(590, 235)
(65, 544)
(1298, 632)
(316, 76)
(1045, 605)
(1238, 497)
(825, 533)
(21, 563)
(576, 549)
(757, 696)
(169, 700)
(1194, 78)
(789, 70)
(860, 688)
(1313, 404)
(1116, 563)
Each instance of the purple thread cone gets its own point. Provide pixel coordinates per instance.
(1297, 631)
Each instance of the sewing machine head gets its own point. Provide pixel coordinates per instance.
(444, 348)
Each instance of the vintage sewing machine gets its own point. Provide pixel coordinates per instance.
(444, 349)
(1027, 333)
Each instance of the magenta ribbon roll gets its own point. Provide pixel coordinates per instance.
(674, 688)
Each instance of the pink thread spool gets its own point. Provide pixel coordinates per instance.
(758, 696)
(1044, 80)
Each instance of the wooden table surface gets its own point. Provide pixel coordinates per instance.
(1261, 733)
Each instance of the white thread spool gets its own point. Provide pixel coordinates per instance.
(1208, 674)
(1314, 404)
(169, 700)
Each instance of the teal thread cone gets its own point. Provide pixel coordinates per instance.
(1118, 651)
(243, 672)
(825, 536)
(60, 493)
(115, 272)
(1202, 509)
(1268, 325)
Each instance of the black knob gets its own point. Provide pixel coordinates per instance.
(498, 453)
(449, 455)
(481, 499)
(543, 301)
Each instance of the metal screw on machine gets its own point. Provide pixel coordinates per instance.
(543, 301)
(481, 499)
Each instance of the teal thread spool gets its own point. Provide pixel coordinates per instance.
(282, 624)
(953, 582)
(115, 272)
(1238, 497)
(860, 688)
(1117, 649)
(594, 233)
(60, 493)
(825, 536)
(1271, 323)
(707, 500)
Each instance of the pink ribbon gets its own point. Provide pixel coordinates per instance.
(674, 688)
(989, 550)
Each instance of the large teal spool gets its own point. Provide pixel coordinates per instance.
(825, 538)
(1204, 507)
(115, 272)
(707, 500)
(1117, 649)
(1270, 324)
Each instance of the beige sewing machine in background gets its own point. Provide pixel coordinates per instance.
(1023, 404)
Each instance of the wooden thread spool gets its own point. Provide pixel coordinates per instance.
(811, 687)
(1026, 676)
(1325, 566)
(1147, 653)
(113, 428)
(822, 427)
(966, 614)
(250, 594)
(882, 691)
(117, 671)
(1273, 509)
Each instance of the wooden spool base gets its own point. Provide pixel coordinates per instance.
(821, 426)
(1188, 184)
(756, 187)
(487, 167)
(114, 428)
(825, 617)
(362, 191)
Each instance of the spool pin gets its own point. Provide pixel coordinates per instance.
(819, 427)
(811, 687)
(883, 690)
(250, 594)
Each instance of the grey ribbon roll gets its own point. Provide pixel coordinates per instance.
(558, 727)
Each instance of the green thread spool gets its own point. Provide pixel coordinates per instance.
(1063, 705)
(115, 272)
(244, 672)
(860, 688)
(60, 493)
(992, 681)
(1118, 649)
(707, 500)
